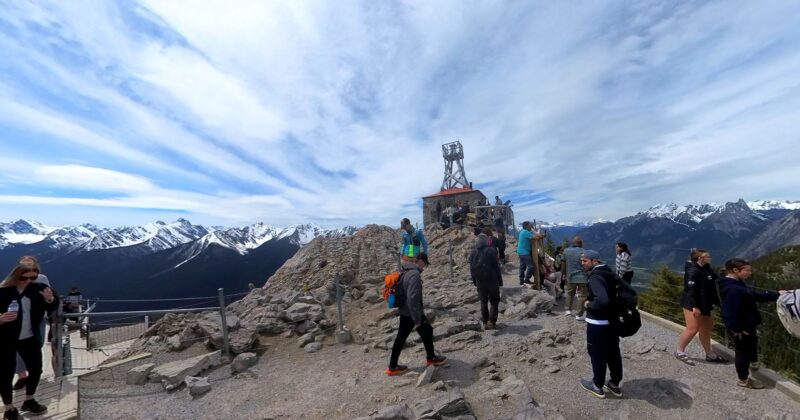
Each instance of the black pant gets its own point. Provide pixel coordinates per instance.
(31, 352)
(603, 345)
(489, 294)
(526, 268)
(425, 332)
(746, 348)
(627, 276)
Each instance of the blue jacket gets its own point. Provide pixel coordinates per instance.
(739, 304)
(408, 238)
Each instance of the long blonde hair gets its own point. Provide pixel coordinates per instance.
(20, 269)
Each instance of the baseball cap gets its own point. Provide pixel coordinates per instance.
(591, 254)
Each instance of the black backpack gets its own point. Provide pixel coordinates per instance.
(481, 264)
(624, 317)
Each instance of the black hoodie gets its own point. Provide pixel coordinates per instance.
(739, 308)
(600, 291)
(485, 253)
(700, 288)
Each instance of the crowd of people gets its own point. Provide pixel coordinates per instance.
(581, 273)
(27, 300)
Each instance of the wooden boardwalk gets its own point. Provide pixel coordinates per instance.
(60, 395)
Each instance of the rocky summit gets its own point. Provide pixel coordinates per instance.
(293, 362)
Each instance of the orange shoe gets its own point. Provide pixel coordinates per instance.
(399, 370)
(437, 361)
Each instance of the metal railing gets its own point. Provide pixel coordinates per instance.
(62, 345)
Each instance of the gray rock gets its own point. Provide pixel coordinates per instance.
(394, 412)
(139, 374)
(426, 376)
(242, 340)
(343, 337)
(172, 374)
(313, 347)
(243, 362)
(299, 312)
(306, 327)
(197, 385)
(305, 339)
(440, 386)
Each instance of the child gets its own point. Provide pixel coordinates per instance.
(741, 316)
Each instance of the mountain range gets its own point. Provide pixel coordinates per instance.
(664, 233)
(156, 260)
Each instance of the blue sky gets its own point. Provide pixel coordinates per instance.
(124, 112)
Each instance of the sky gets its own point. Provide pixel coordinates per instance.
(235, 112)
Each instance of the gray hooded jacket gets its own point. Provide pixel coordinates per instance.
(411, 292)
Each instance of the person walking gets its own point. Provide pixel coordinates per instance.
(21, 369)
(487, 277)
(23, 304)
(699, 297)
(623, 263)
(576, 277)
(412, 315)
(414, 241)
(602, 341)
(524, 250)
(741, 317)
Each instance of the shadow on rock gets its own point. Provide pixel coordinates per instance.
(660, 392)
(518, 329)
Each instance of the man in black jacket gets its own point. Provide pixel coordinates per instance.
(412, 315)
(601, 339)
(487, 276)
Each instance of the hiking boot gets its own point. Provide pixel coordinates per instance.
(750, 383)
(683, 357)
(398, 370)
(569, 312)
(491, 326)
(437, 361)
(32, 406)
(12, 414)
(20, 383)
(591, 388)
(713, 358)
(615, 390)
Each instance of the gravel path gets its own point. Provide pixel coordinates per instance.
(343, 382)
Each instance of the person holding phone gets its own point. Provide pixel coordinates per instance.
(23, 305)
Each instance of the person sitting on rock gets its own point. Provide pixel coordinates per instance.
(414, 241)
(602, 340)
(412, 315)
(552, 278)
(487, 277)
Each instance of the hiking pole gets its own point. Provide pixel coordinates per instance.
(338, 282)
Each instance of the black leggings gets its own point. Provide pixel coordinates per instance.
(746, 348)
(31, 352)
(425, 332)
(627, 276)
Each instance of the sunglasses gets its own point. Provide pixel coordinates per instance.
(28, 278)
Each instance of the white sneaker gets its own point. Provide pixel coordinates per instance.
(569, 312)
(580, 318)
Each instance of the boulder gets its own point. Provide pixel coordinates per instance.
(449, 404)
(300, 311)
(242, 340)
(172, 374)
(197, 385)
(139, 374)
(452, 328)
(313, 347)
(305, 339)
(243, 362)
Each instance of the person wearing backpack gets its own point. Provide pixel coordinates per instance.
(602, 340)
(408, 300)
(414, 241)
(741, 317)
(487, 277)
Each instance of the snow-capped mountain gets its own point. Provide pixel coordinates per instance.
(682, 214)
(157, 236)
(760, 205)
(23, 232)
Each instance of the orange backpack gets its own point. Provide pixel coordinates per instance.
(390, 287)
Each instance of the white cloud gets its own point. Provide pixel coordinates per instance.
(311, 110)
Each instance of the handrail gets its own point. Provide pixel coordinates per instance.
(151, 312)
